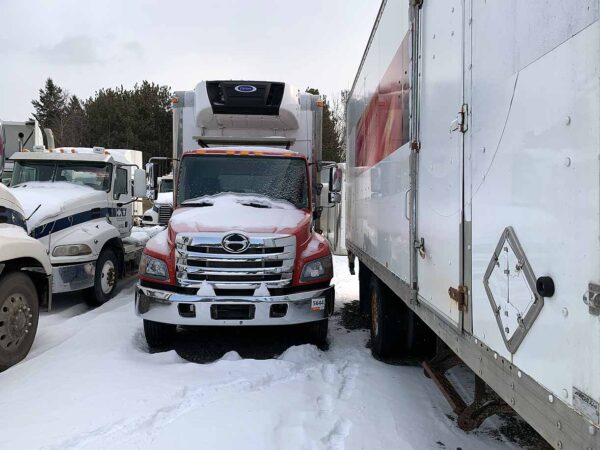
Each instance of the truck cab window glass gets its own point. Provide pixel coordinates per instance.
(120, 183)
(166, 186)
(276, 178)
(11, 217)
(94, 175)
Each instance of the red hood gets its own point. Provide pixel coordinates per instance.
(228, 213)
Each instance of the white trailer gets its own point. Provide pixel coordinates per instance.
(474, 199)
(17, 136)
(79, 203)
(25, 278)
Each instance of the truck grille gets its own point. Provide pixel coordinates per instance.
(268, 259)
(164, 214)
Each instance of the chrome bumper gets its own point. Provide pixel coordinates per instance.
(182, 309)
(73, 277)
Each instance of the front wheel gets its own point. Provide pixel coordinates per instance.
(105, 279)
(19, 314)
(317, 333)
(159, 335)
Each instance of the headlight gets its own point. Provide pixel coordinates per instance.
(72, 250)
(317, 269)
(153, 268)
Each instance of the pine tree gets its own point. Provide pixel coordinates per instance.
(332, 131)
(50, 109)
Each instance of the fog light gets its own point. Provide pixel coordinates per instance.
(278, 310)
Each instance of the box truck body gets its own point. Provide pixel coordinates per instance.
(473, 192)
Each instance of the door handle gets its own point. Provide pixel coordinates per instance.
(406, 204)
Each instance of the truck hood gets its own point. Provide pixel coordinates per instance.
(238, 212)
(56, 199)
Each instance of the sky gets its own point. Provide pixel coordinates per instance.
(85, 46)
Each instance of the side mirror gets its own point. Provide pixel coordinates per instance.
(151, 181)
(139, 183)
(335, 179)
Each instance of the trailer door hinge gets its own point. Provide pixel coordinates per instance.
(459, 295)
(415, 146)
(420, 246)
(460, 122)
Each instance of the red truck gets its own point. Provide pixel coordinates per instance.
(240, 248)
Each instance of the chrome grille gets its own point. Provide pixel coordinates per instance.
(164, 214)
(201, 258)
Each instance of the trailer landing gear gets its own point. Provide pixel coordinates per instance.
(485, 403)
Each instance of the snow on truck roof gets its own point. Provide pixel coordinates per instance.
(96, 154)
(242, 151)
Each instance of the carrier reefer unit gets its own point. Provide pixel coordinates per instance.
(241, 247)
(473, 191)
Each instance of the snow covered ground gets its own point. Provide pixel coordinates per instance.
(90, 382)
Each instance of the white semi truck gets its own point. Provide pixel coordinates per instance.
(25, 278)
(162, 206)
(79, 202)
(473, 202)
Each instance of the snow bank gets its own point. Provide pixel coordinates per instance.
(225, 209)
(55, 198)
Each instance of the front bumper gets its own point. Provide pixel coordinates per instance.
(73, 277)
(182, 309)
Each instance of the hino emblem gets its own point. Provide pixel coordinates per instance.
(235, 243)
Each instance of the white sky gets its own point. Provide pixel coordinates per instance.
(85, 45)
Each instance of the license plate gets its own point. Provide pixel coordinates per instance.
(318, 304)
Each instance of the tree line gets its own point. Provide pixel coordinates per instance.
(139, 118)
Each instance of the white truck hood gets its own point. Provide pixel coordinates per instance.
(56, 199)
(164, 198)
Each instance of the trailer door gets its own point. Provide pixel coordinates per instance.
(440, 159)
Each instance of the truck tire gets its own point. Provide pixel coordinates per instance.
(159, 335)
(386, 330)
(19, 314)
(105, 278)
(364, 285)
(317, 333)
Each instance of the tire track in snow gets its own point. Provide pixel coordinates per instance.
(143, 429)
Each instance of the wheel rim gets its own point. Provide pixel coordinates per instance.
(374, 312)
(15, 321)
(108, 277)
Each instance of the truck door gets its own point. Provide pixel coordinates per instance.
(121, 211)
(440, 158)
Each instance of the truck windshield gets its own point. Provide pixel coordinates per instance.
(94, 175)
(273, 177)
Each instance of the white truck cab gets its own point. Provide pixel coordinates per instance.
(25, 278)
(80, 207)
(162, 208)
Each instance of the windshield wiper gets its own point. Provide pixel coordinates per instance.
(255, 205)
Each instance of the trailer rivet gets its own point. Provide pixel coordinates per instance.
(559, 444)
(565, 393)
(512, 401)
(519, 374)
(592, 430)
(568, 120)
(495, 355)
(559, 425)
(476, 341)
(567, 162)
(551, 398)
(512, 385)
